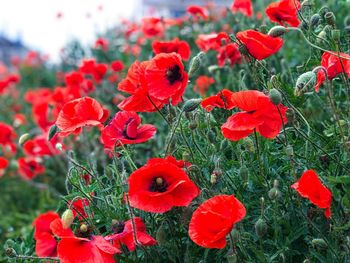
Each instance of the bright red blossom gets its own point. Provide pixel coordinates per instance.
(284, 12)
(310, 187)
(220, 100)
(3, 165)
(260, 115)
(79, 113)
(160, 185)
(178, 46)
(243, 6)
(124, 234)
(125, 128)
(197, 11)
(214, 219)
(29, 167)
(229, 53)
(202, 84)
(334, 65)
(259, 45)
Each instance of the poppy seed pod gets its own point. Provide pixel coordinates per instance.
(330, 18)
(191, 105)
(260, 227)
(277, 31)
(319, 243)
(274, 193)
(185, 156)
(275, 96)
(307, 261)
(305, 82)
(195, 63)
(25, 137)
(67, 218)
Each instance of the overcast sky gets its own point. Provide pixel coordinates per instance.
(36, 22)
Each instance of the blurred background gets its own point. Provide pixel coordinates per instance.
(46, 26)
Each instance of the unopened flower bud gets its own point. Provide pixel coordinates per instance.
(52, 132)
(335, 33)
(223, 145)
(67, 218)
(263, 29)
(260, 227)
(191, 105)
(211, 136)
(243, 173)
(186, 156)
(289, 150)
(161, 235)
(275, 96)
(10, 252)
(274, 193)
(307, 261)
(24, 137)
(319, 243)
(248, 144)
(213, 178)
(305, 82)
(290, 114)
(330, 18)
(59, 146)
(195, 63)
(277, 31)
(231, 258)
(314, 20)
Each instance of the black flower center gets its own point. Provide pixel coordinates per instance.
(159, 185)
(118, 227)
(173, 74)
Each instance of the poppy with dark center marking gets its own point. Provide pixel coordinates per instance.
(124, 234)
(125, 128)
(160, 185)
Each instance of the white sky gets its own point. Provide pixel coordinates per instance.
(35, 21)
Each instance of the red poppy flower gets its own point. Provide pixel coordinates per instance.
(29, 167)
(160, 185)
(243, 6)
(40, 146)
(152, 27)
(197, 11)
(125, 128)
(117, 65)
(334, 64)
(7, 135)
(202, 84)
(259, 45)
(166, 78)
(99, 72)
(74, 78)
(78, 113)
(211, 41)
(87, 66)
(3, 165)
(259, 114)
(220, 100)
(44, 115)
(214, 219)
(320, 78)
(102, 43)
(178, 163)
(154, 82)
(46, 245)
(78, 208)
(178, 46)
(229, 53)
(284, 12)
(124, 234)
(309, 186)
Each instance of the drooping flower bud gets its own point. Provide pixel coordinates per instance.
(319, 243)
(195, 63)
(314, 20)
(260, 227)
(305, 82)
(191, 105)
(84, 228)
(185, 156)
(10, 252)
(52, 132)
(24, 137)
(275, 96)
(67, 218)
(277, 31)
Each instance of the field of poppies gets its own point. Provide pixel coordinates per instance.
(219, 136)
